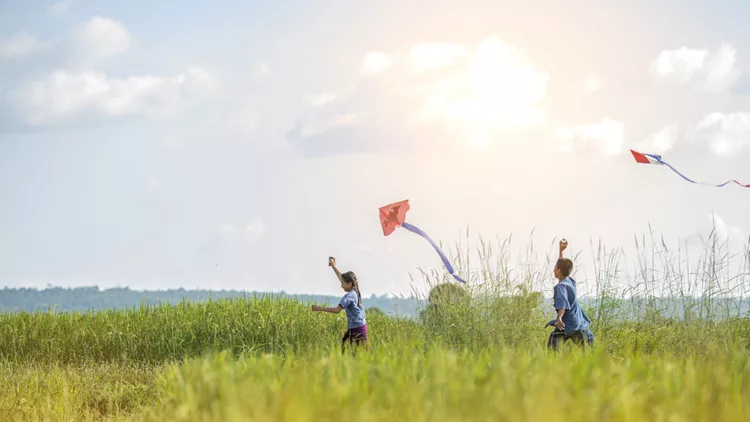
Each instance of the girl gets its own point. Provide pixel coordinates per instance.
(356, 325)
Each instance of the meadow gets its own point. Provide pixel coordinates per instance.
(673, 344)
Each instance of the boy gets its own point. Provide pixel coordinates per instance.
(571, 322)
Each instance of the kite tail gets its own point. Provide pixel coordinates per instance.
(678, 173)
(447, 264)
(705, 184)
(660, 161)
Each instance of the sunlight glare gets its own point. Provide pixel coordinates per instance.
(496, 90)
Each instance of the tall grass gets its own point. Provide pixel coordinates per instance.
(81, 392)
(445, 385)
(168, 332)
(673, 343)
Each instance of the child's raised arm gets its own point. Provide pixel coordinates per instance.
(332, 264)
(563, 245)
(339, 308)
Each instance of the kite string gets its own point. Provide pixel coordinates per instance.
(447, 263)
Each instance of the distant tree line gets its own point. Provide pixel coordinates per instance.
(92, 298)
(83, 299)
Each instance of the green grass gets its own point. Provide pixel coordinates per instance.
(476, 356)
(163, 333)
(445, 368)
(462, 362)
(447, 385)
(82, 392)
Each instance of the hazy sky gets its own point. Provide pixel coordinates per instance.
(238, 144)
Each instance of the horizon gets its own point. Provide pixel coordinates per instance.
(87, 299)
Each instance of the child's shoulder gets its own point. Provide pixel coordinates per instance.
(563, 284)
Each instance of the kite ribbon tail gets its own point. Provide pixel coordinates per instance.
(678, 173)
(699, 183)
(447, 264)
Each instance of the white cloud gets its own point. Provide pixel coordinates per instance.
(376, 62)
(91, 41)
(20, 44)
(264, 69)
(681, 64)
(724, 134)
(66, 94)
(661, 141)
(715, 70)
(721, 68)
(102, 37)
(434, 55)
(606, 136)
(321, 99)
(61, 7)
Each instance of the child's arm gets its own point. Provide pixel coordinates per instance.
(559, 323)
(563, 245)
(332, 264)
(316, 308)
(562, 304)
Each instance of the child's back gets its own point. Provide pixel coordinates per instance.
(571, 322)
(566, 297)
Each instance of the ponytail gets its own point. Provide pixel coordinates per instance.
(350, 277)
(359, 295)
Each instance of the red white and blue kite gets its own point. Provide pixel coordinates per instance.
(656, 159)
(393, 216)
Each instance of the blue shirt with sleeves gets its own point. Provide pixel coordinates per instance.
(566, 297)
(355, 315)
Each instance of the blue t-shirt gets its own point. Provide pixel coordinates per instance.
(355, 315)
(565, 297)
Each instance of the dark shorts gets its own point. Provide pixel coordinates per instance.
(580, 337)
(355, 335)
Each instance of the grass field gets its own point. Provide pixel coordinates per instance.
(478, 356)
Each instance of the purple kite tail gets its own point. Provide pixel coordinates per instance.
(701, 183)
(447, 264)
(656, 159)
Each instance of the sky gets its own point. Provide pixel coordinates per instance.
(238, 144)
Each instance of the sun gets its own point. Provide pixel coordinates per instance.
(497, 89)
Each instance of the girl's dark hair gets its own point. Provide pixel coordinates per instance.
(350, 277)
